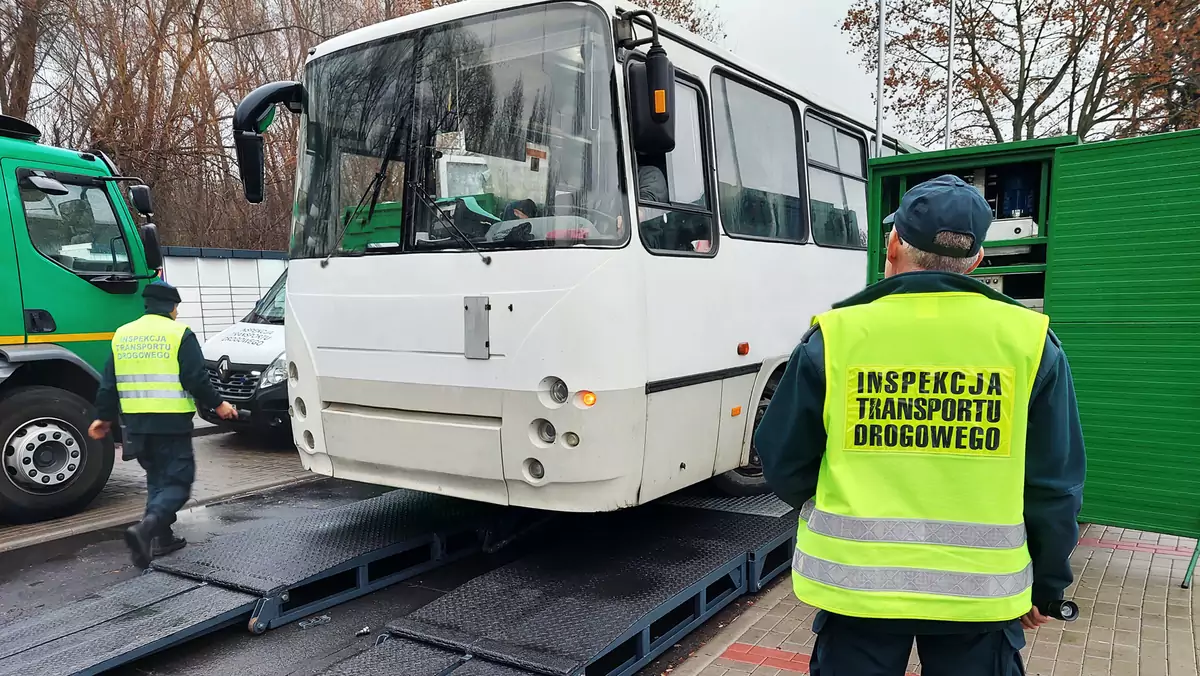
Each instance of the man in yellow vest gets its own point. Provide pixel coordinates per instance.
(927, 430)
(154, 380)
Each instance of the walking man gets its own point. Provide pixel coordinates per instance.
(154, 379)
(927, 429)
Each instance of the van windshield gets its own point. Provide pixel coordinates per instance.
(269, 310)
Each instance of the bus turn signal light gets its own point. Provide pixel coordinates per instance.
(587, 398)
(743, 349)
(735, 411)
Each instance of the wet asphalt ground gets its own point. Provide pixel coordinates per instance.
(48, 576)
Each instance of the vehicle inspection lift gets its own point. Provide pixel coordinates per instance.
(602, 594)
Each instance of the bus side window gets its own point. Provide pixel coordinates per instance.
(759, 191)
(837, 185)
(674, 207)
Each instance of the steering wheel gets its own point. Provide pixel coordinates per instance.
(604, 222)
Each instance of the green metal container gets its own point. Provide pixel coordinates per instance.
(1116, 264)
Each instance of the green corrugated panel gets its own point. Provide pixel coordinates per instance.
(1139, 406)
(1124, 236)
(1123, 294)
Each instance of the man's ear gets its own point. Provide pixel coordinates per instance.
(893, 246)
(978, 260)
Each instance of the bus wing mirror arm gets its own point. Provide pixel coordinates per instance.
(252, 117)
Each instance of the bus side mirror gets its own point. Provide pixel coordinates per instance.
(652, 103)
(149, 235)
(251, 166)
(251, 118)
(139, 195)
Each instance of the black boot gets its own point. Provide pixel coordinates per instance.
(139, 537)
(167, 542)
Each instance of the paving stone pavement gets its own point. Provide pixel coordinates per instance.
(226, 465)
(1135, 619)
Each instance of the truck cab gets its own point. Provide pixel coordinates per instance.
(73, 263)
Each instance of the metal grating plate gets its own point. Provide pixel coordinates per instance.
(396, 656)
(98, 638)
(106, 604)
(757, 505)
(269, 559)
(401, 656)
(556, 609)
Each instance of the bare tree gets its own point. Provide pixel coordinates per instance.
(1024, 68)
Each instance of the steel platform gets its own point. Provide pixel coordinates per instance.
(119, 624)
(306, 565)
(613, 593)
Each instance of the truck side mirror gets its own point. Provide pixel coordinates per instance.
(139, 195)
(251, 118)
(149, 234)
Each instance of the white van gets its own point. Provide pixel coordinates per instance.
(247, 366)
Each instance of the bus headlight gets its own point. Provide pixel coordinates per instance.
(558, 391)
(276, 373)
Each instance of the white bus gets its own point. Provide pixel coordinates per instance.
(537, 263)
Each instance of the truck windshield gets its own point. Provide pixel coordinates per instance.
(505, 121)
(269, 309)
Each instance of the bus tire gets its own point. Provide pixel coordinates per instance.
(53, 423)
(749, 480)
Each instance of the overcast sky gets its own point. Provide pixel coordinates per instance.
(801, 41)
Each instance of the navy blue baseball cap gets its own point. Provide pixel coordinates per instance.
(943, 204)
(160, 290)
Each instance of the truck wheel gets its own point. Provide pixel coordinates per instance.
(52, 468)
(748, 479)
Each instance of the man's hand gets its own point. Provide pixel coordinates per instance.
(99, 429)
(226, 411)
(1033, 619)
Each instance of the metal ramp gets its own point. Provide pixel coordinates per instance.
(608, 597)
(298, 567)
(261, 578)
(117, 625)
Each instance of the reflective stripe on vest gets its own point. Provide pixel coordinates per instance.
(146, 364)
(912, 580)
(926, 531)
(919, 505)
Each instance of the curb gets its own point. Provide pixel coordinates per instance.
(123, 515)
(208, 431)
(717, 646)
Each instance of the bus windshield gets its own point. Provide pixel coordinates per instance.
(498, 128)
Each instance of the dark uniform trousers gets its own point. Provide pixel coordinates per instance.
(851, 647)
(170, 471)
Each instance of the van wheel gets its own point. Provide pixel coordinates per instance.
(749, 479)
(51, 467)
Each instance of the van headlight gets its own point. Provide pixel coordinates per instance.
(276, 373)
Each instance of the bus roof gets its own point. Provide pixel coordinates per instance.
(461, 10)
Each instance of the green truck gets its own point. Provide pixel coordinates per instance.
(72, 266)
(1104, 238)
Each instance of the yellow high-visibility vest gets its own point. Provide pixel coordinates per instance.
(919, 505)
(146, 361)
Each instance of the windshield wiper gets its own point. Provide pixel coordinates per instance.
(374, 187)
(432, 206)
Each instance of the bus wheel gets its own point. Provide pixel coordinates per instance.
(748, 479)
(51, 467)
